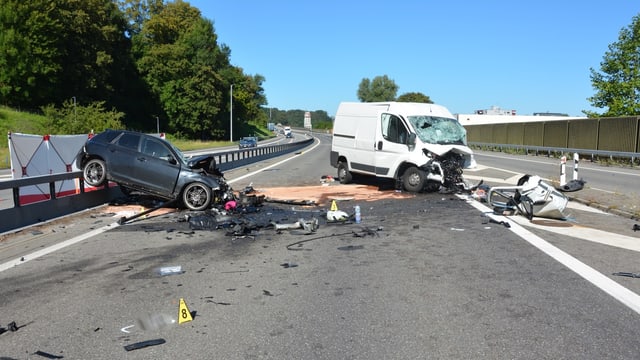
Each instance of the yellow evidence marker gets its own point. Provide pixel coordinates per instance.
(334, 206)
(184, 315)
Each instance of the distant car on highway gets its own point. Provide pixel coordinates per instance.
(146, 163)
(248, 142)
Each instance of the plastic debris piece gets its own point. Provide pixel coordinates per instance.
(230, 205)
(170, 270)
(47, 355)
(627, 274)
(203, 222)
(12, 326)
(636, 227)
(155, 321)
(573, 185)
(144, 344)
(288, 264)
(351, 247)
(506, 224)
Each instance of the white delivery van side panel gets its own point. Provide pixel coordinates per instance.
(354, 135)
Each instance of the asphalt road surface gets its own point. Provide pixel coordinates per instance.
(432, 276)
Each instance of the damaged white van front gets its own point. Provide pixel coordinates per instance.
(420, 145)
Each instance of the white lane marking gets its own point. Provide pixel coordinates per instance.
(42, 252)
(617, 291)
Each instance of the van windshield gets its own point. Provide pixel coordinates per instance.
(438, 130)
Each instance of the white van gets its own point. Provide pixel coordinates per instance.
(420, 145)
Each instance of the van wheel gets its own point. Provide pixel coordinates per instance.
(344, 175)
(413, 179)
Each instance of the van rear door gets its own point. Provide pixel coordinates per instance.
(391, 144)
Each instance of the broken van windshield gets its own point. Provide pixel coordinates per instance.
(438, 130)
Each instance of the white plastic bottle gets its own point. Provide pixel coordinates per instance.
(358, 216)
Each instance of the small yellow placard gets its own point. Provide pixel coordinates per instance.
(334, 206)
(184, 315)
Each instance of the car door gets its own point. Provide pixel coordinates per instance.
(121, 157)
(391, 144)
(157, 171)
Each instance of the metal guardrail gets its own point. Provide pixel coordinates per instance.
(233, 159)
(555, 150)
(24, 215)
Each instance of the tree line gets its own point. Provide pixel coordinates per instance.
(92, 64)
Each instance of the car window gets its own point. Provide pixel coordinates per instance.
(393, 129)
(129, 141)
(155, 148)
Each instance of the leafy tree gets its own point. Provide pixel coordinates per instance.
(136, 12)
(414, 97)
(617, 84)
(52, 50)
(381, 88)
(74, 119)
(189, 72)
(30, 53)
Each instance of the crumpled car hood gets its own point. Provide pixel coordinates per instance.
(204, 162)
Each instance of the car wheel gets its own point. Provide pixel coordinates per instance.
(196, 196)
(413, 179)
(344, 175)
(95, 172)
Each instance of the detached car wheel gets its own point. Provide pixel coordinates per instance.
(414, 179)
(95, 172)
(344, 175)
(196, 196)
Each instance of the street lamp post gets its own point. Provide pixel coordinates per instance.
(231, 115)
(75, 113)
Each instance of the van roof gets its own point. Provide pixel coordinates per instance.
(403, 108)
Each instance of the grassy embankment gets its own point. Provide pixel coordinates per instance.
(28, 123)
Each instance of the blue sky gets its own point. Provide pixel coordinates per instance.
(530, 56)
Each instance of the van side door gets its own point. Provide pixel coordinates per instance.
(391, 144)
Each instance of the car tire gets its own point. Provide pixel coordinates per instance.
(414, 179)
(196, 196)
(344, 175)
(95, 172)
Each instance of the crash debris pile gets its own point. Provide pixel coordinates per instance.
(530, 197)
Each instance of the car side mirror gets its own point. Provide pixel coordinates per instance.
(172, 160)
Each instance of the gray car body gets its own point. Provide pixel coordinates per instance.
(151, 165)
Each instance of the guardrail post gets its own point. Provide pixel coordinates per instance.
(52, 190)
(16, 196)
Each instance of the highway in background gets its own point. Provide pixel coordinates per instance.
(435, 279)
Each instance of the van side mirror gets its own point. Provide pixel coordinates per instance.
(411, 141)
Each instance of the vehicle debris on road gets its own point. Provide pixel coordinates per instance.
(530, 197)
